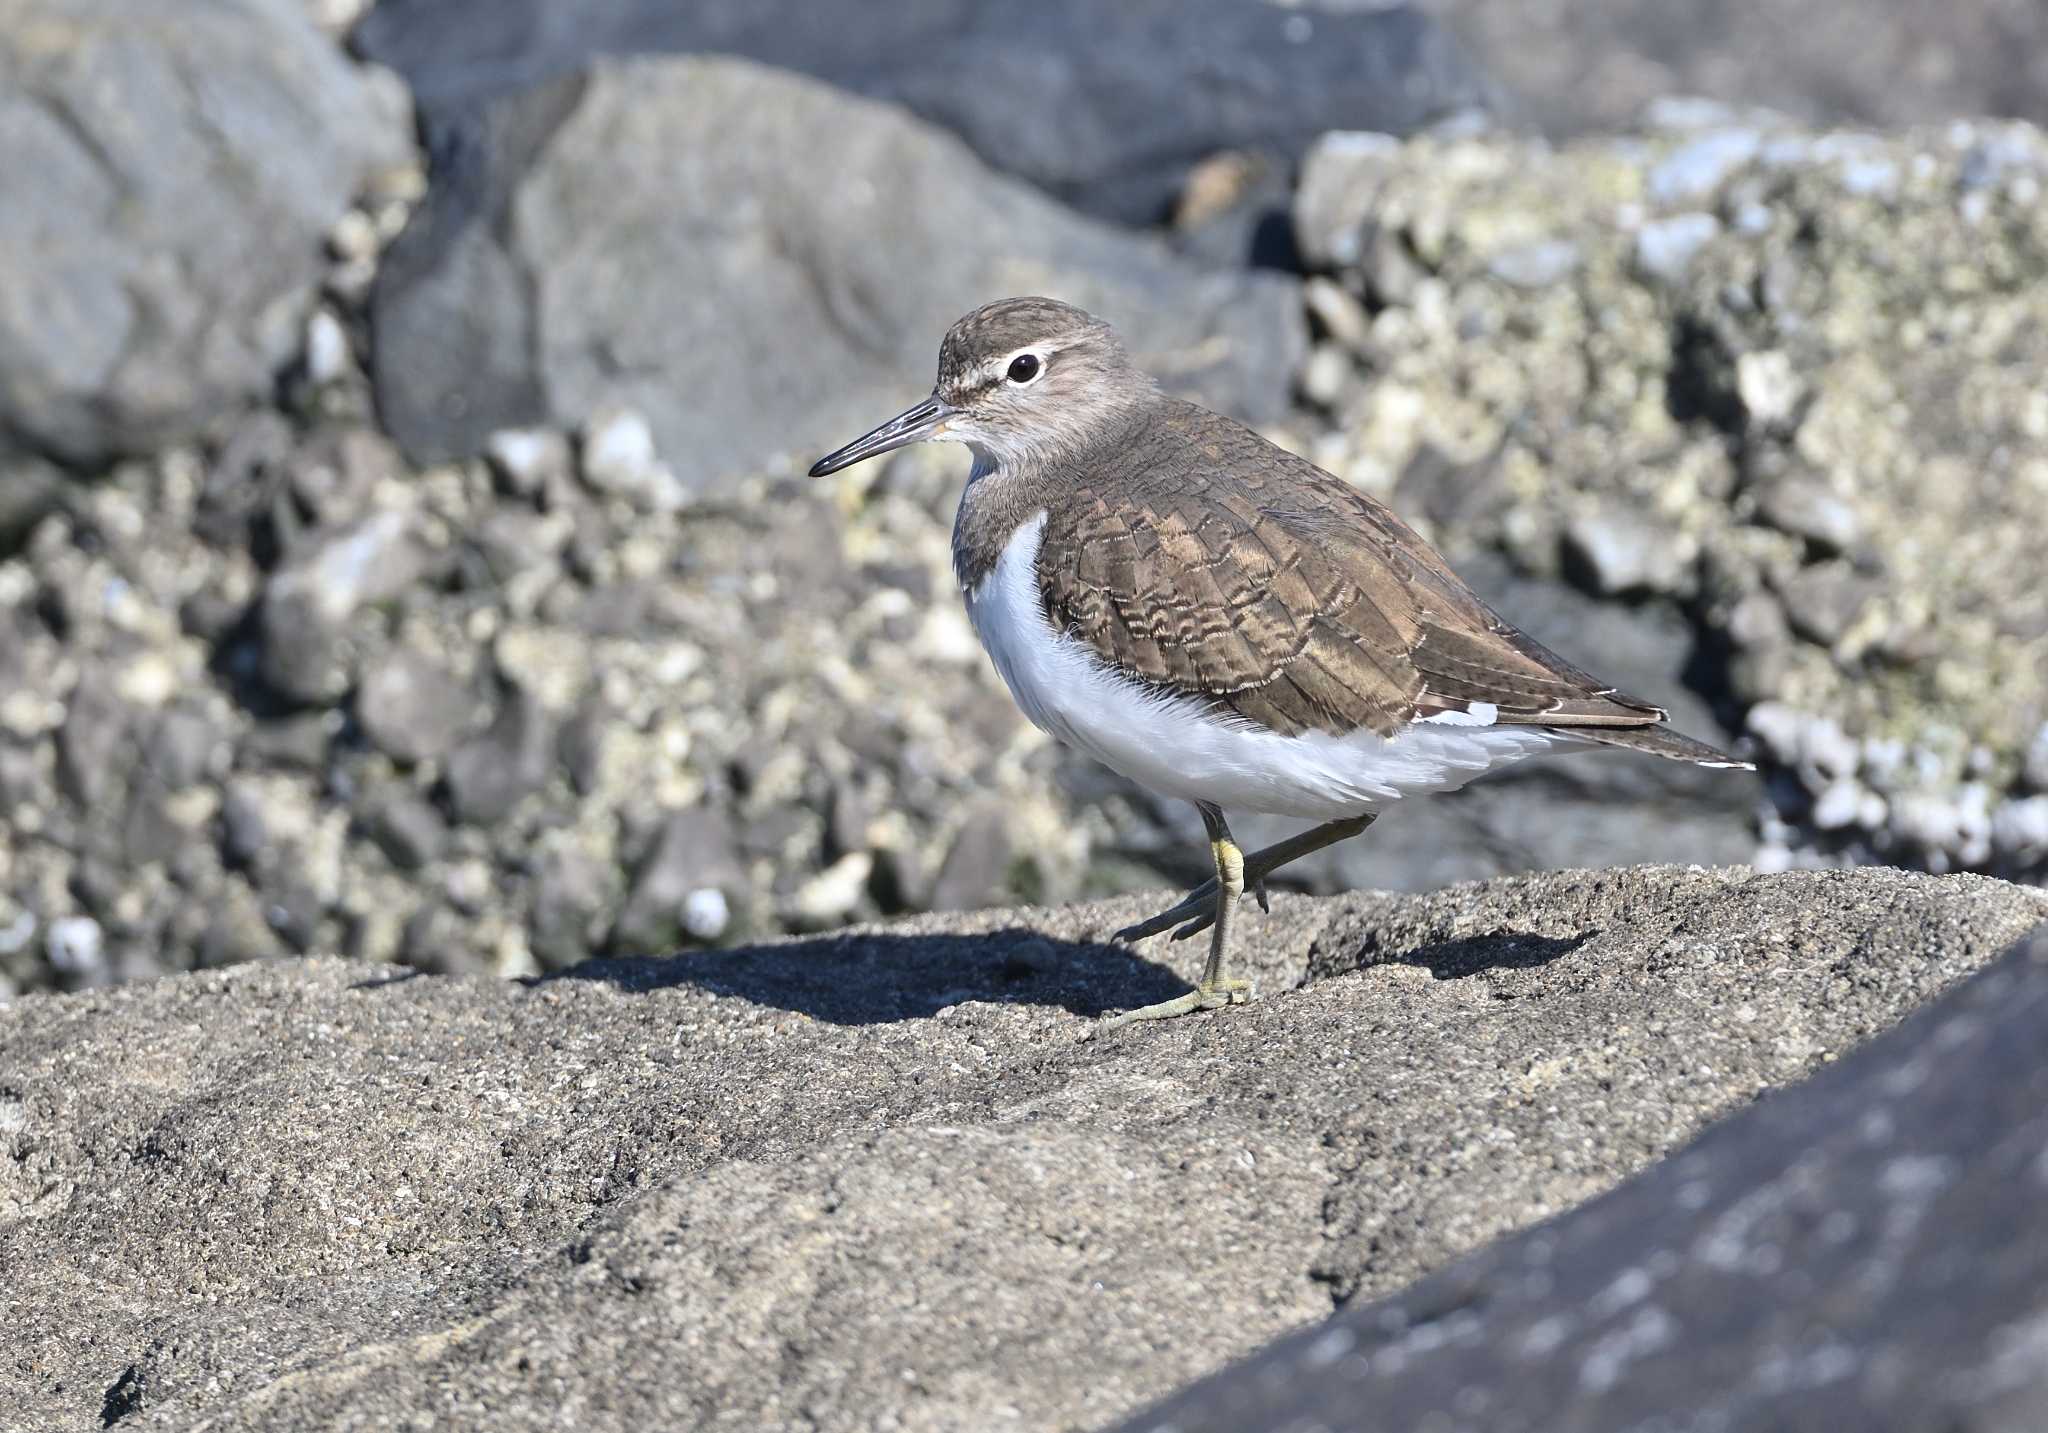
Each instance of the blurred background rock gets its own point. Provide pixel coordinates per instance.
(402, 544)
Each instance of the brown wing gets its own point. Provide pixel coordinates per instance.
(1229, 569)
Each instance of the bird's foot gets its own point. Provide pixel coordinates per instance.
(1198, 909)
(1209, 996)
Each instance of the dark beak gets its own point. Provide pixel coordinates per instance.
(913, 425)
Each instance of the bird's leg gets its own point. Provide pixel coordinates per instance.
(1198, 909)
(1214, 988)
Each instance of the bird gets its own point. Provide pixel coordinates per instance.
(1221, 620)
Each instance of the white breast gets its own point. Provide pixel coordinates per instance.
(1179, 747)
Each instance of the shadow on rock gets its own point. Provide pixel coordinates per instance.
(1453, 959)
(874, 979)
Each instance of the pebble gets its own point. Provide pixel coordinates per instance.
(619, 456)
(830, 896)
(2035, 772)
(527, 461)
(706, 913)
(1767, 387)
(1535, 265)
(1326, 375)
(1615, 551)
(75, 945)
(1841, 804)
(1695, 169)
(1665, 247)
(328, 358)
(17, 933)
(1804, 506)
(2019, 831)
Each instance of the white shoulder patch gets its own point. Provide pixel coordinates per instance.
(1478, 714)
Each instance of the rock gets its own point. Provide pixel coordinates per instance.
(1665, 247)
(308, 602)
(493, 772)
(529, 460)
(1767, 387)
(77, 946)
(185, 746)
(849, 283)
(829, 898)
(411, 707)
(328, 357)
(1614, 552)
(572, 891)
(1111, 110)
(95, 746)
(619, 457)
(883, 1152)
(2035, 772)
(1824, 599)
(1862, 1250)
(1575, 70)
(976, 871)
(408, 830)
(1805, 508)
(1693, 171)
(1781, 401)
(173, 170)
(696, 851)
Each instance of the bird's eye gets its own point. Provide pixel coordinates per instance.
(1024, 367)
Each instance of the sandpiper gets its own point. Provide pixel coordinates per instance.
(1221, 620)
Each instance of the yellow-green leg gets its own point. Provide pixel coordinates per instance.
(1198, 908)
(1215, 988)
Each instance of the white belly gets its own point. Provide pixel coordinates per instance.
(1178, 746)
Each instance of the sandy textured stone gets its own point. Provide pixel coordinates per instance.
(879, 1179)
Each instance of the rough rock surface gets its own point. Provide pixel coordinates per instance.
(760, 265)
(1783, 380)
(1867, 1250)
(879, 1178)
(1106, 108)
(1575, 67)
(171, 173)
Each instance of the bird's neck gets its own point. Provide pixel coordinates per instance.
(1001, 496)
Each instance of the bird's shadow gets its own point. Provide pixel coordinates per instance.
(1453, 959)
(878, 978)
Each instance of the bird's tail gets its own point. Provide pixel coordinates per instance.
(1658, 741)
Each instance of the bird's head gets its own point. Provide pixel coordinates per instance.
(1019, 378)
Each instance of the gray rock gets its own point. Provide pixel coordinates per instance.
(172, 169)
(95, 746)
(77, 946)
(408, 830)
(1865, 1250)
(1577, 69)
(529, 460)
(494, 771)
(976, 871)
(1614, 552)
(308, 602)
(185, 746)
(571, 893)
(411, 707)
(1822, 600)
(1692, 172)
(1665, 247)
(860, 234)
(695, 851)
(1806, 508)
(738, 1183)
(1107, 108)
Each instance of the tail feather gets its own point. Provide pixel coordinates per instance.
(1657, 741)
